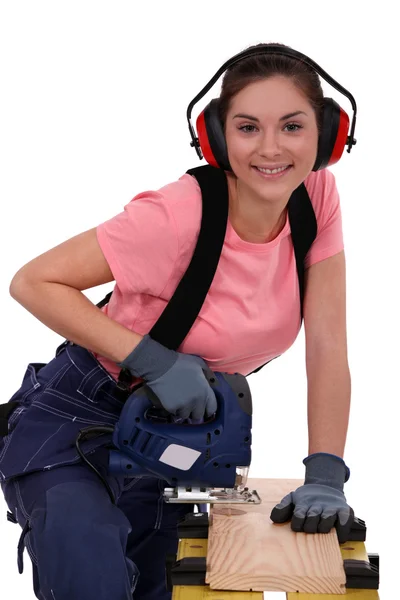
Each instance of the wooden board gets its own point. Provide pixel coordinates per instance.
(247, 551)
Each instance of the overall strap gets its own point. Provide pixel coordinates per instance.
(181, 311)
(303, 226)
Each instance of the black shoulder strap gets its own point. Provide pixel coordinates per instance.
(180, 313)
(303, 227)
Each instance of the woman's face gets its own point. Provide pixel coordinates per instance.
(260, 134)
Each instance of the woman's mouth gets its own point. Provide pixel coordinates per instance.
(275, 174)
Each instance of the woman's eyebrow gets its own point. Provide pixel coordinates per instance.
(288, 116)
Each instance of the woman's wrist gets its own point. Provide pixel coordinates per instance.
(326, 469)
(149, 359)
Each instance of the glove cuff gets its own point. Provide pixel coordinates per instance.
(326, 469)
(149, 359)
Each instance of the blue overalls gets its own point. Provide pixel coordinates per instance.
(82, 546)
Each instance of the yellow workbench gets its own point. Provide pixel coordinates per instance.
(197, 547)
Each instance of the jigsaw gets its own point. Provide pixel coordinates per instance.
(205, 462)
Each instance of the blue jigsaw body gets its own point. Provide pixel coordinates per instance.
(204, 454)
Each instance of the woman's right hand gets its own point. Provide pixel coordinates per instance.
(176, 379)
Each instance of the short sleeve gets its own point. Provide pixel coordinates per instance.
(141, 244)
(326, 203)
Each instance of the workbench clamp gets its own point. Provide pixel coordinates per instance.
(190, 570)
(193, 525)
(361, 574)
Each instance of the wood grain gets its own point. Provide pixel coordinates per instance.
(247, 551)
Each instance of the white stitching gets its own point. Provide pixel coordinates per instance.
(7, 439)
(97, 386)
(45, 442)
(86, 379)
(72, 360)
(21, 502)
(100, 366)
(116, 401)
(74, 401)
(27, 540)
(93, 392)
(59, 374)
(14, 415)
(69, 417)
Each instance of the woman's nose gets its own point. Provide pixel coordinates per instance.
(269, 143)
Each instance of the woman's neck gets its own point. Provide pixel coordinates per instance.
(254, 219)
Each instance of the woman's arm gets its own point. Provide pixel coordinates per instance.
(50, 287)
(328, 375)
(320, 504)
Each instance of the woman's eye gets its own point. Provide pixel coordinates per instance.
(294, 125)
(245, 127)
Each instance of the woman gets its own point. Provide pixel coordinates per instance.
(80, 543)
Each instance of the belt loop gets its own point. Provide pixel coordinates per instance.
(21, 546)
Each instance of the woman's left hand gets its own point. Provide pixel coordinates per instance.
(320, 503)
(316, 508)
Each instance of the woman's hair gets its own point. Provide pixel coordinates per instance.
(263, 66)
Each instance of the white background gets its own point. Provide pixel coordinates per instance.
(93, 111)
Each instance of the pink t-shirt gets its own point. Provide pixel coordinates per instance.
(251, 313)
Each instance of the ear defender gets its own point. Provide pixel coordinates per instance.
(211, 136)
(331, 142)
(333, 136)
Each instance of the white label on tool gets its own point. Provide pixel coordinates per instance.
(179, 457)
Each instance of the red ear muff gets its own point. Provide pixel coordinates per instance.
(211, 137)
(333, 137)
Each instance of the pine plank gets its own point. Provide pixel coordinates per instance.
(247, 551)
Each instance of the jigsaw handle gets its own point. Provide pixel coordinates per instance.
(159, 413)
(162, 412)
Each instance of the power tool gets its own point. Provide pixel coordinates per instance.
(206, 462)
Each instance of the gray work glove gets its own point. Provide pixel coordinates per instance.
(177, 379)
(320, 503)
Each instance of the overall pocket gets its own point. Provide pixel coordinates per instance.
(11, 411)
(51, 413)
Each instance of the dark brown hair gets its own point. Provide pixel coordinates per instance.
(263, 66)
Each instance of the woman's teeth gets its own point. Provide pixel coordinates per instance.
(272, 174)
(271, 171)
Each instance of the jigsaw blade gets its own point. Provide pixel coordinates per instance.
(198, 495)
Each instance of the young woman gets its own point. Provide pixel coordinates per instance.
(82, 545)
